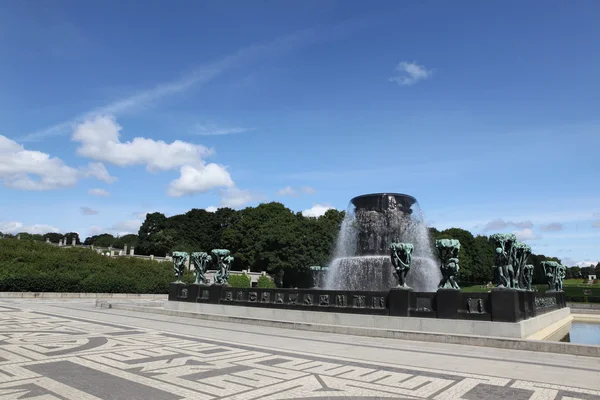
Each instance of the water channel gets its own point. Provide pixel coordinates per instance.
(583, 333)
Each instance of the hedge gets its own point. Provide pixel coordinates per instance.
(29, 266)
(265, 282)
(239, 281)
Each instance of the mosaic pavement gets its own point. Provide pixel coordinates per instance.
(46, 357)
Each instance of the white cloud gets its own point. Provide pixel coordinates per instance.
(235, 197)
(526, 234)
(88, 211)
(587, 263)
(99, 140)
(14, 227)
(287, 191)
(317, 210)
(211, 209)
(411, 73)
(99, 171)
(199, 180)
(34, 170)
(552, 227)
(213, 130)
(290, 191)
(500, 224)
(126, 227)
(98, 192)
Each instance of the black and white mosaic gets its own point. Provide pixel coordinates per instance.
(47, 357)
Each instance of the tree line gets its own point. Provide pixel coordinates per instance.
(270, 237)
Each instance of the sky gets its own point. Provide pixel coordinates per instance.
(486, 112)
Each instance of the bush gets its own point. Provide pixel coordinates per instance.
(239, 281)
(265, 282)
(28, 266)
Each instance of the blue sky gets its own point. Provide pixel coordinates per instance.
(487, 112)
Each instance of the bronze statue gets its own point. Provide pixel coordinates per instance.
(448, 250)
(179, 261)
(201, 260)
(401, 254)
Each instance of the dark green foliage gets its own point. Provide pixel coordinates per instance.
(239, 281)
(268, 237)
(265, 282)
(38, 267)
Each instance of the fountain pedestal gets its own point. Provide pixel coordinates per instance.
(399, 302)
(448, 302)
(505, 305)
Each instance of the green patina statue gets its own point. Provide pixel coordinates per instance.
(223, 260)
(528, 276)
(448, 250)
(551, 273)
(505, 254)
(180, 259)
(401, 254)
(201, 261)
(522, 252)
(561, 273)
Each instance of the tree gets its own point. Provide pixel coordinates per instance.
(53, 236)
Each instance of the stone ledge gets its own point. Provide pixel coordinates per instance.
(57, 295)
(471, 340)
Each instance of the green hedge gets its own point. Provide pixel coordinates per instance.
(239, 281)
(265, 282)
(29, 266)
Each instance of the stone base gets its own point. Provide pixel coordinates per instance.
(399, 302)
(505, 305)
(448, 302)
(178, 291)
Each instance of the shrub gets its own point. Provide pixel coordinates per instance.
(239, 281)
(265, 282)
(28, 266)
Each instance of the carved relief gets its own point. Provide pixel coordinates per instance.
(324, 300)
(252, 296)
(265, 297)
(341, 300)
(293, 298)
(308, 300)
(279, 298)
(359, 300)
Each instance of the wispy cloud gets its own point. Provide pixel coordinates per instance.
(410, 73)
(552, 227)
(214, 130)
(98, 192)
(88, 211)
(526, 234)
(290, 191)
(500, 224)
(201, 75)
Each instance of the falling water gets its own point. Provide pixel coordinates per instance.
(361, 259)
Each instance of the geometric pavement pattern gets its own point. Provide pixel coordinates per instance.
(47, 357)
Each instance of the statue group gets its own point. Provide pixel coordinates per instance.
(554, 273)
(220, 258)
(401, 255)
(511, 270)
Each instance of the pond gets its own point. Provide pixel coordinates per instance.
(583, 333)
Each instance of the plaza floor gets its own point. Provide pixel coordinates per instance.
(68, 349)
